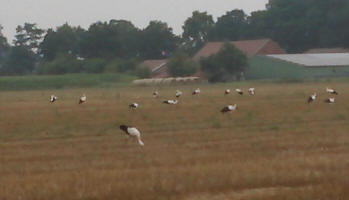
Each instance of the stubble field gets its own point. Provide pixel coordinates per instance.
(275, 146)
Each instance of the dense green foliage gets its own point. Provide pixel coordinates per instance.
(226, 65)
(181, 64)
(35, 82)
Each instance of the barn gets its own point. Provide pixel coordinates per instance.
(249, 47)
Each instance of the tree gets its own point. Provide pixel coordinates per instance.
(181, 64)
(65, 39)
(196, 31)
(157, 41)
(20, 61)
(3, 47)
(226, 65)
(231, 26)
(101, 41)
(3, 42)
(28, 36)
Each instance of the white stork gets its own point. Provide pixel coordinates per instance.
(133, 106)
(171, 102)
(155, 94)
(82, 99)
(229, 108)
(227, 91)
(331, 91)
(53, 98)
(330, 100)
(133, 132)
(178, 93)
(312, 98)
(239, 91)
(251, 91)
(196, 91)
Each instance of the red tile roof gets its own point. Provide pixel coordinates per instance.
(249, 47)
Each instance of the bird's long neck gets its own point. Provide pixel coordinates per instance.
(139, 140)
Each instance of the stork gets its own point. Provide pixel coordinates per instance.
(330, 100)
(312, 98)
(170, 102)
(155, 94)
(53, 98)
(227, 91)
(178, 93)
(82, 99)
(196, 91)
(133, 132)
(229, 108)
(239, 91)
(331, 91)
(251, 91)
(133, 106)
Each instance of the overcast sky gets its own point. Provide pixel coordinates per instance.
(52, 13)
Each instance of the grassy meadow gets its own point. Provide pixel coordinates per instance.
(275, 146)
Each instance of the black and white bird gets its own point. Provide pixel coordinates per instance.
(171, 102)
(229, 108)
(227, 91)
(196, 91)
(53, 98)
(251, 91)
(132, 132)
(239, 91)
(330, 100)
(82, 99)
(155, 94)
(178, 93)
(312, 98)
(331, 91)
(133, 106)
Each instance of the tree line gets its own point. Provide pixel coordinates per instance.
(119, 46)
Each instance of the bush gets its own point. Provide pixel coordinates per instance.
(62, 64)
(119, 65)
(226, 65)
(143, 72)
(94, 65)
(181, 64)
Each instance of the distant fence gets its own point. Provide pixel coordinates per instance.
(167, 81)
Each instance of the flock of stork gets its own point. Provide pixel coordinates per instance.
(135, 133)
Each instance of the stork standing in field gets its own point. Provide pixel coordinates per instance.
(155, 94)
(53, 98)
(227, 91)
(229, 108)
(170, 102)
(196, 91)
(133, 132)
(312, 98)
(251, 91)
(330, 100)
(133, 106)
(331, 91)
(178, 94)
(239, 91)
(82, 99)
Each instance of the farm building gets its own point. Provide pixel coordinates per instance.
(327, 50)
(249, 47)
(316, 60)
(157, 67)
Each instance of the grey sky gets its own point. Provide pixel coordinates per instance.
(52, 13)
